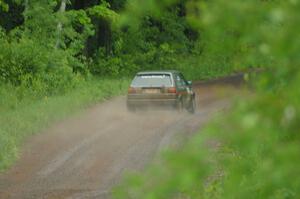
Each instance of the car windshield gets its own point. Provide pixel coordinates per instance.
(152, 80)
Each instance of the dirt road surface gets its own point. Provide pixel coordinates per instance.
(83, 157)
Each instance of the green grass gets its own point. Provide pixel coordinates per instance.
(22, 115)
(203, 67)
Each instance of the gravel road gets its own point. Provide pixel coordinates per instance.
(84, 156)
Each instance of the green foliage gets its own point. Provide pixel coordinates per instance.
(250, 154)
(3, 6)
(77, 28)
(91, 41)
(154, 43)
(103, 11)
(253, 151)
(26, 63)
(28, 54)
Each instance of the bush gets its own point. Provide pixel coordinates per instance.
(253, 151)
(25, 63)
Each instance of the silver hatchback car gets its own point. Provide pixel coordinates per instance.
(161, 88)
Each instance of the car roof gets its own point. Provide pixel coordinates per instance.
(158, 72)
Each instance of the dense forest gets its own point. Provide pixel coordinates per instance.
(52, 48)
(51, 42)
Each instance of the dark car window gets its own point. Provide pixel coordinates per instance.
(180, 82)
(152, 80)
(183, 80)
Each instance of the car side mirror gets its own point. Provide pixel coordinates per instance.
(189, 83)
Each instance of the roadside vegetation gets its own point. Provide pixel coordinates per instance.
(252, 151)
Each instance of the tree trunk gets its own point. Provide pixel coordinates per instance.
(62, 9)
(26, 6)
